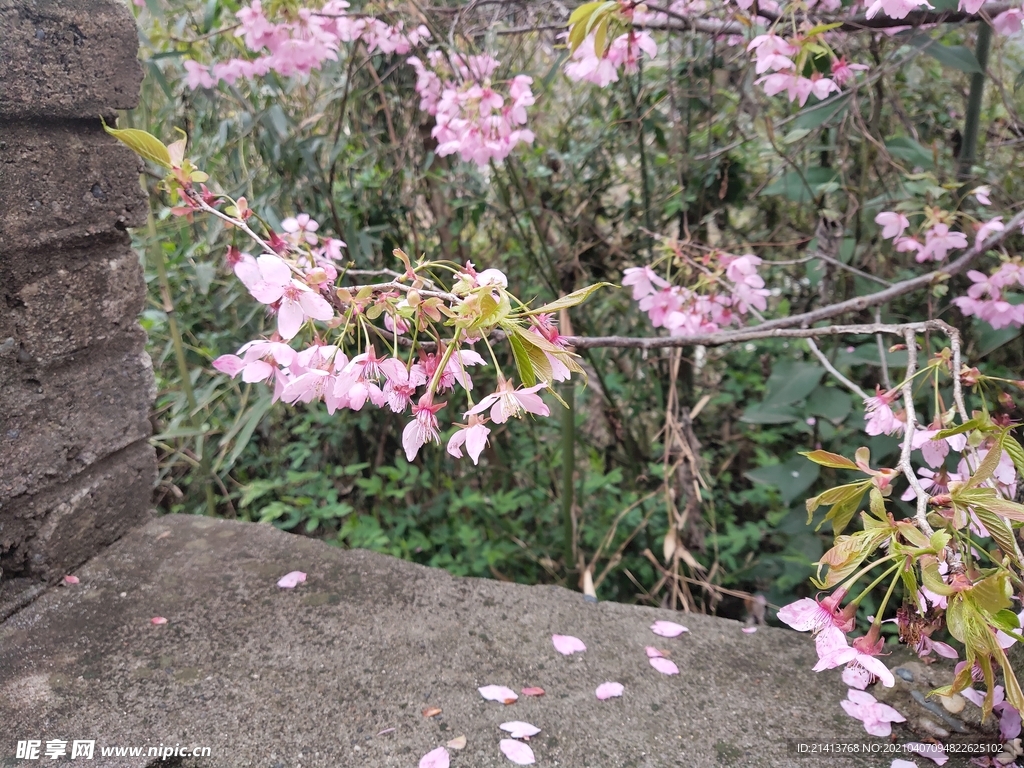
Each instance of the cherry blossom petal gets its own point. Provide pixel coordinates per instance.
(158, 620)
(901, 763)
(290, 319)
(567, 645)
(459, 742)
(653, 653)
(749, 630)
(668, 628)
(608, 690)
(664, 666)
(291, 580)
(517, 729)
(436, 758)
(533, 691)
(70, 580)
(498, 693)
(517, 752)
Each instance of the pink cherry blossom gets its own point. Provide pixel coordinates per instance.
(876, 716)
(70, 580)
(857, 677)
(880, 417)
(473, 436)
(644, 281)
(269, 280)
(843, 72)
(934, 752)
(892, 224)
(423, 428)
(1009, 22)
(158, 620)
(895, 9)
(517, 729)
(498, 693)
(567, 645)
(508, 402)
(663, 665)
(834, 651)
(301, 228)
(608, 691)
(291, 580)
(517, 752)
(436, 758)
(668, 629)
(938, 242)
(808, 615)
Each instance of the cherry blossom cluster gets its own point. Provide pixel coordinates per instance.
(302, 43)
(297, 283)
(718, 290)
(478, 118)
(623, 54)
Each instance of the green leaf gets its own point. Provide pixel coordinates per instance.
(803, 188)
(523, 363)
(145, 145)
(777, 414)
(791, 383)
(826, 459)
(256, 414)
(955, 56)
(830, 403)
(1000, 532)
(570, 300)
(818, 114)
(791, 478)
(1018, 82)
(911, 152)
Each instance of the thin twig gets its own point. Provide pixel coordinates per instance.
(835, 373)
(908, 435)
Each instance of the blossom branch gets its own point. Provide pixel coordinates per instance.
(827, 365)
(908, 435)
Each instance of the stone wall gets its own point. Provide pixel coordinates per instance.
(76, 384)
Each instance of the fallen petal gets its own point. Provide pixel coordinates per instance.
(291, 580)
(668, 628)
(436, 758)
(664, 666)
(386, 730)
(533, 691)
(459, 742)
(749, 630)
(70, 579)
(609, 690)
(567, 645)
(517, 752)
(901, 763)
(498, 693)
(431, 711)
(517, 729)
(654, 653)
(158, 620)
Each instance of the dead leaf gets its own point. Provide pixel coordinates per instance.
(431, 711)
(459, 742)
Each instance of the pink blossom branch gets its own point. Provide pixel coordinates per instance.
(781, 327)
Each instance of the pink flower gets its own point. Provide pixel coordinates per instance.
(879, 415)
(876, 716)
(833, 650)
(843, 72)
(423, 428)
(971, 6)
(807, 615)
(269, 280)
(1009, 22)
(992, 225)
(895, 9)
(301, 228)
(892, 224)
(772, 53)
(198, 76)
(473, 436)
(401, 383)
(508, 402)
(938, 241)
(981, 193)
(643, 279)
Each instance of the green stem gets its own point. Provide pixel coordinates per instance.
(875, 583)
(568, 470)
(881, 609)
(160, 262)
(974, 99)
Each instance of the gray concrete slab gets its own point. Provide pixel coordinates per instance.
(312, 676)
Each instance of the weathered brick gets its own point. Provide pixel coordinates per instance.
(67, 58)
(56, 421)
(68, 303)
(64, 182)
(47, 534)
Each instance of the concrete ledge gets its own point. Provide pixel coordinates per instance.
(312, 676)
(67, 58)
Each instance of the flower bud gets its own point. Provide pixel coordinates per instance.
(316, 276)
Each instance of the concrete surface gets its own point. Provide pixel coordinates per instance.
(311, 677)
